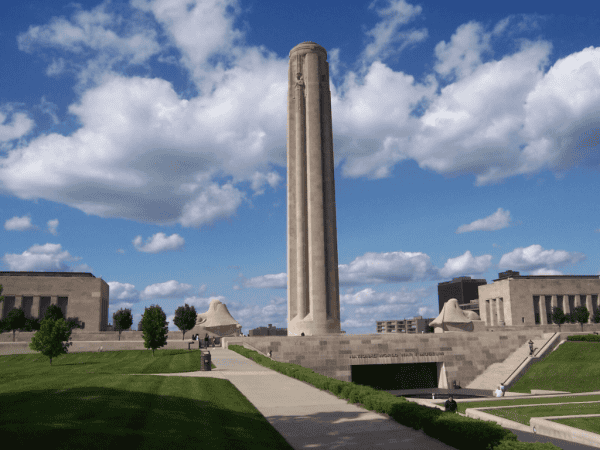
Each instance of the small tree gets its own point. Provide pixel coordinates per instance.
(15, 320)
(558, 316)
(31, 324)
(185, 318)
(55, 313)
(570, 318)
(122, 320)
(581, 315)
(155, 327)
(50, 339)
(596, 316)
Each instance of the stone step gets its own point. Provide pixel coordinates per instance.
(497, 373)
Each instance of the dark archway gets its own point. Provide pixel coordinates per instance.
(396, 376)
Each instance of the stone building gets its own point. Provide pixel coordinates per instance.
(268, 331)
(415, 325)
(80, 295)
(527, 300)
(463, 289)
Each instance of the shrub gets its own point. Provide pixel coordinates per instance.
(585, 338)
(466, 433)
(516, 445)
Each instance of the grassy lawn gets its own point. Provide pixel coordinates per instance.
(462, 407)
(88, 400)
(522, 415)
(573, 367)
(591, 424)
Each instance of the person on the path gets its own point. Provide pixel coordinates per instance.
(451, 405)
(530, 347)
(503, 388)
(498, 392)
(206, 340)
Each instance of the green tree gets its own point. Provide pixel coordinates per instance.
(54, 312)
(51, 337)
(185, 318)
(15, 320)
(569, 317)
(1, 297)
(596, 316)
(122, 320)
(581, 315)
(558, 316)
(155, 328)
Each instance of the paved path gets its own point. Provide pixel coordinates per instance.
(308, 417)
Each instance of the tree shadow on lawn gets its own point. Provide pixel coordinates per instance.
(99, 418)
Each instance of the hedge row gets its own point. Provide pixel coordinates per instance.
(452, 429)
(585, 337)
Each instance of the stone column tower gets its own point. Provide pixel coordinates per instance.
(313, 286)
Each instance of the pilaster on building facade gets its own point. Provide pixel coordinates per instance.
(527, 300)
(80, 296)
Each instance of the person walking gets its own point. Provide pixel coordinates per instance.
(530, 347)
(206, 340)
(503, 388)
(451, 405)
(498, 392)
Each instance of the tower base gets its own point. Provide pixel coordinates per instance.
(309, 327)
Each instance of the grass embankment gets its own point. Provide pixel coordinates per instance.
(462, 407)
(90, 400)
(573, 367)
(591, 424)
(522, 415)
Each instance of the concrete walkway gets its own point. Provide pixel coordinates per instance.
(308, 417)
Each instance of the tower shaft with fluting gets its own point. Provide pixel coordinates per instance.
(313, 286)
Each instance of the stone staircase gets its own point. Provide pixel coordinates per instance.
(498, 373)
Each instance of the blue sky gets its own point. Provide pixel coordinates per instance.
(145, 142)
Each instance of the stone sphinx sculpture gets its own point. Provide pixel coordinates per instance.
(452, 318)
(217, 320)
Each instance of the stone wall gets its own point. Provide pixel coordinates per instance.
(465, 355)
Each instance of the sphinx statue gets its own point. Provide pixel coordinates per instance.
(217, 320)
(452, 318)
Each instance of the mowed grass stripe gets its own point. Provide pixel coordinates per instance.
(522, 415)
(573, 367)
(90, 400)
(462, 407)
(591, 424)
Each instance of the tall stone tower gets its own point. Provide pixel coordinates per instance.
(313, 286)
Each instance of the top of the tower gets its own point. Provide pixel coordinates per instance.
(308, 46)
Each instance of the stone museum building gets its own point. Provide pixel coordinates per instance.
(527, 300)
(80, 296)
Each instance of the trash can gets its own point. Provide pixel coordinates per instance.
(205, 363)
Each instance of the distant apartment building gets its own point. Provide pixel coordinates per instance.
(415, 325)
(80, 296)
(515, 299)
(463, 289)
(268, 331)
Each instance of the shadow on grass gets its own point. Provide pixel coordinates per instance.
(99, 411)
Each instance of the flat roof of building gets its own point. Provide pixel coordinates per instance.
(548, 276)
(46, 274)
